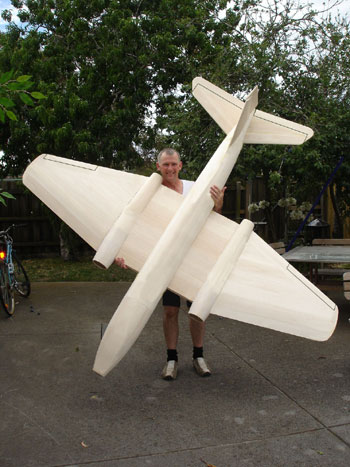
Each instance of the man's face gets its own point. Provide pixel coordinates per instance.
(169, 167)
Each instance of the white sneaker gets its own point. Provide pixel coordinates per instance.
(201, 367)
(170, 370)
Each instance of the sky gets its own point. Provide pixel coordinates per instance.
(344, 8)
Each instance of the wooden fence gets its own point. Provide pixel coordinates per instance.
(38, 236)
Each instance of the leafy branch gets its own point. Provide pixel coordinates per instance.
(11, 87)
(3, 195)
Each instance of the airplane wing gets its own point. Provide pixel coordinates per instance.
(263, 289)
(265, 128)
(76, 191)
(179, 242)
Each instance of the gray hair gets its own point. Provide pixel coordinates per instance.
(169, 151)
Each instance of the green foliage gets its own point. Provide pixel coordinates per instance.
(300, 61)
(10, 88)
(102, 64)
(117, 76)
(5, 195)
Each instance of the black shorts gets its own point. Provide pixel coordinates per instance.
(172, 299)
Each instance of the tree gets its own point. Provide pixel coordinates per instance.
(103, 66)
(117, 76)
(300, 62)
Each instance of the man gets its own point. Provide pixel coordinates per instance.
(169, 165)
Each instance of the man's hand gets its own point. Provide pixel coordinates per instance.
(218, 197)
(121, 263)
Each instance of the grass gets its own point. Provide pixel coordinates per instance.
(58, 270)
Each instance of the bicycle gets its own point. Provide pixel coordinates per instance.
(12, 273)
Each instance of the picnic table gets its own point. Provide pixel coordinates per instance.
(319, 254)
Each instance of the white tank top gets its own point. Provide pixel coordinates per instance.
(186, 186)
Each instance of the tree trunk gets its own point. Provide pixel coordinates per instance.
(67, 243)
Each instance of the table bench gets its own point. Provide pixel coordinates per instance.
(346, 284)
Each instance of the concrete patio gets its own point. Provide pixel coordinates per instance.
(272, 400)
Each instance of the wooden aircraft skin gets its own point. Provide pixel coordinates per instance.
(259, 268)
(175, 242)
(264, 128)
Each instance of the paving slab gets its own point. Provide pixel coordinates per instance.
(309, 449)
(314, 374)
(273, 399)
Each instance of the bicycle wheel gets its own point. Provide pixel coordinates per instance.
(2, 303)
(7, 295)
(21, 282)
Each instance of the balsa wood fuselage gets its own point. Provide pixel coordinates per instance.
(180, 243)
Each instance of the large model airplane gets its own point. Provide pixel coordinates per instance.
(180, 243)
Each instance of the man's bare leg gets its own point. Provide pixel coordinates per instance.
(197, 329)
(171, 326)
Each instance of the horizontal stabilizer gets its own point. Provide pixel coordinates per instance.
(264, 128)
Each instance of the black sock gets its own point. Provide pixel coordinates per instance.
(172, 354)
(197, 352)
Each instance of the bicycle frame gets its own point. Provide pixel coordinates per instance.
(7, 276)
(12, 273)
(6, 258)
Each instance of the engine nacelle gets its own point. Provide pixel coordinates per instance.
(113, 241)
(225, 264)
